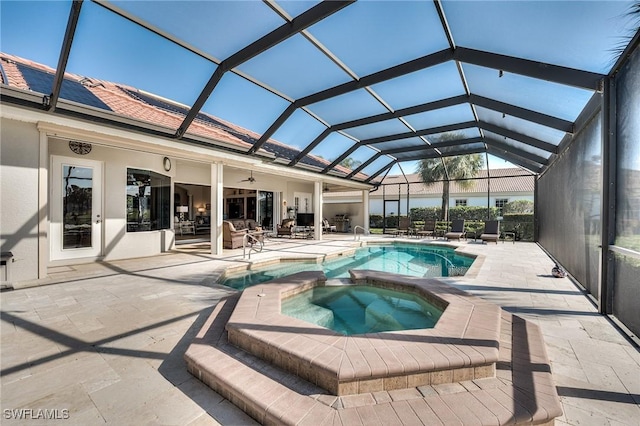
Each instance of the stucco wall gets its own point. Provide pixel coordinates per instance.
(353, 210)
(19, 161)
(192, 172)
(480, 201)
(119, 244)
(20, 152)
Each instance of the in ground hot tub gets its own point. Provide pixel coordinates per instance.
(461, 345)
(361, 309)
(477, 363)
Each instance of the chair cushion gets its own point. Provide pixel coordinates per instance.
(288, 223)
(238, 224)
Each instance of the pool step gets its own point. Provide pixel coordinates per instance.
(313, 314)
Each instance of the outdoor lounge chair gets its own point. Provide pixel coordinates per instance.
(286, 228)
(429, 229)
(326, 227)
(403, 226)
(457, 230)
(231, 237)
(491, 231)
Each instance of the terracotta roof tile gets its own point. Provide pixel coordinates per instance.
(522, 182)
(132, 103)
(502, 180)
(14, 76)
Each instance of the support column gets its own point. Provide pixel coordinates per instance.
(536, 213)
(217, 207)
(365, 208)
(608, 206)
(408, 188)
(43, 206)
(317, 210)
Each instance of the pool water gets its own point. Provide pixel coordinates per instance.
(357, 309)
(414, 260)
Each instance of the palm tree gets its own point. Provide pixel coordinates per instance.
(432, 170)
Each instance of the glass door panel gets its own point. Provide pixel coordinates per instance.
(75, 208)
(77, 184)
(265, 209)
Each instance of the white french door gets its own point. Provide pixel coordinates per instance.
(75, 208)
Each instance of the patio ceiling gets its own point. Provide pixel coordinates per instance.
(379, 81)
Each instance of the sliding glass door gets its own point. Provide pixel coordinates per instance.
(265, 209)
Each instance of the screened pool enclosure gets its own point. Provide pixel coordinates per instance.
(552, 87)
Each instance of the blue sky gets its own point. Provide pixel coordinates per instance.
(364, 36)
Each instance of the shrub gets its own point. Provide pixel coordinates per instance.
(518, 217)
(520, 223)
(375, 221)
(424, 213)
(519, 206)
(461, 212)
(472, 213)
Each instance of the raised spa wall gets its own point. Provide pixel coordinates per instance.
(463, 345)
(401, 377)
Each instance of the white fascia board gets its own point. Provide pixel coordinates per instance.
(341, 200)
(87, 131)
(67, 105)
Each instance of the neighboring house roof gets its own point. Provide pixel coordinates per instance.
(501, 181)
(133, 103)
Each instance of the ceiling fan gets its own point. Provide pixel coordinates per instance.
(250, 179)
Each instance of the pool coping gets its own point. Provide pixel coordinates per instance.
(311, 259)
(463, 345)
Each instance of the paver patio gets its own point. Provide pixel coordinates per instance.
(106, 342)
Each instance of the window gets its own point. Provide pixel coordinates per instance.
(461, 203)
(500, 203)
(148, 201)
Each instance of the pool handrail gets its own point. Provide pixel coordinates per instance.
(252, 246)
(355, 233)
(445, 258)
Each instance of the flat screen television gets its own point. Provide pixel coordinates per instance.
(304, 219)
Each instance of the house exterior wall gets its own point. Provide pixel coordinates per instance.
(296, 188)
(376, 204)
(118, 243)
(19, 161)
(29, 140)
(191, 172)
(352, 210)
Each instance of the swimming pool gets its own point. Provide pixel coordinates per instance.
(407, 259)
(360, 309)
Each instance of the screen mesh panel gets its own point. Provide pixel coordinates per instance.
(569, 205)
